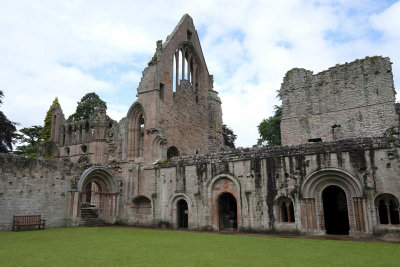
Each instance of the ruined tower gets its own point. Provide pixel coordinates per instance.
(177, 111)
(347, 101)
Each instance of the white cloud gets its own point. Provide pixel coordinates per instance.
(59, 49)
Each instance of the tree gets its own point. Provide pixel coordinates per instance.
(270, 129)
(29, 138)
(89, 103)
(46, 131)
(7, 131)
(229, 136)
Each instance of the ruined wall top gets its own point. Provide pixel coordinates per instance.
(239, 154)
(346, 101)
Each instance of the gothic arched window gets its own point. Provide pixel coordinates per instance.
(136, 131)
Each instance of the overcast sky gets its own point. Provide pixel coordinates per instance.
(66, 49)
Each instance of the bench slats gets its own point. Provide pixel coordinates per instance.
(27, 220)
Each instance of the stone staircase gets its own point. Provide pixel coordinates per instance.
(89, 216)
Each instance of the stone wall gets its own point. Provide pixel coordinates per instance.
(347, 101)
(259, 177)
(31, 186)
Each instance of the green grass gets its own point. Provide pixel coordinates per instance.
(128, 246)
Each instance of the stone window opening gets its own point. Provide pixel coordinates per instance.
(86, 132)
(141, 136)
(80, 133)
(315, 140)
(286, 210)
(185, 67)
(75, 135)
(336, 131)
(189, 35)
(67, 150)
(387, 209)
(136, 132)
(70, 134)
(84, 148)
(161, 91)
(172, 152)
(174, 72)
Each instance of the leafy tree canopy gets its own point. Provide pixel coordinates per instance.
(229, 136)
(7, 131)
(30, 138)
(270, 129)
(47, 122)
(89, 103)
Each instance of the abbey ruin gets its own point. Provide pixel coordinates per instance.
(164, 164)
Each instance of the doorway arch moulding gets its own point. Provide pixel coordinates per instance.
(229, 184)
(312, 212)
(108, 191)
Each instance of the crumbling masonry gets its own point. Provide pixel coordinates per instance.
(164, 164)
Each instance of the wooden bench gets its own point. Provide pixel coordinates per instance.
(26, 220)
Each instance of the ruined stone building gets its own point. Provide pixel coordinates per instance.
(164, 163)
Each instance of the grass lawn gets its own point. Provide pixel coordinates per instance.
(83, 246)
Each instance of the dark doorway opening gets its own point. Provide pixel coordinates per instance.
(383, 218)
(227, 212)
(182, 214)
(335, 211)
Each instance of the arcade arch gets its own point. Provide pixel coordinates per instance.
(136, 126)
(387, 207)
(332, 192)
(97, 191)
(224, 192)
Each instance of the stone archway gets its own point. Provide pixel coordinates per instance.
(312, 204)
(96, 198)
(224, 188)
(336, 217)
(141, 210)
(227, 212)
(177, 211)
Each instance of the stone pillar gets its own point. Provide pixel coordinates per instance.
(177, 69)
(308, 215)
(183, 64)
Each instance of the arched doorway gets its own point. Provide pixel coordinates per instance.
(182, 212)
(335, 211)
(227, 212)
(97, 197)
